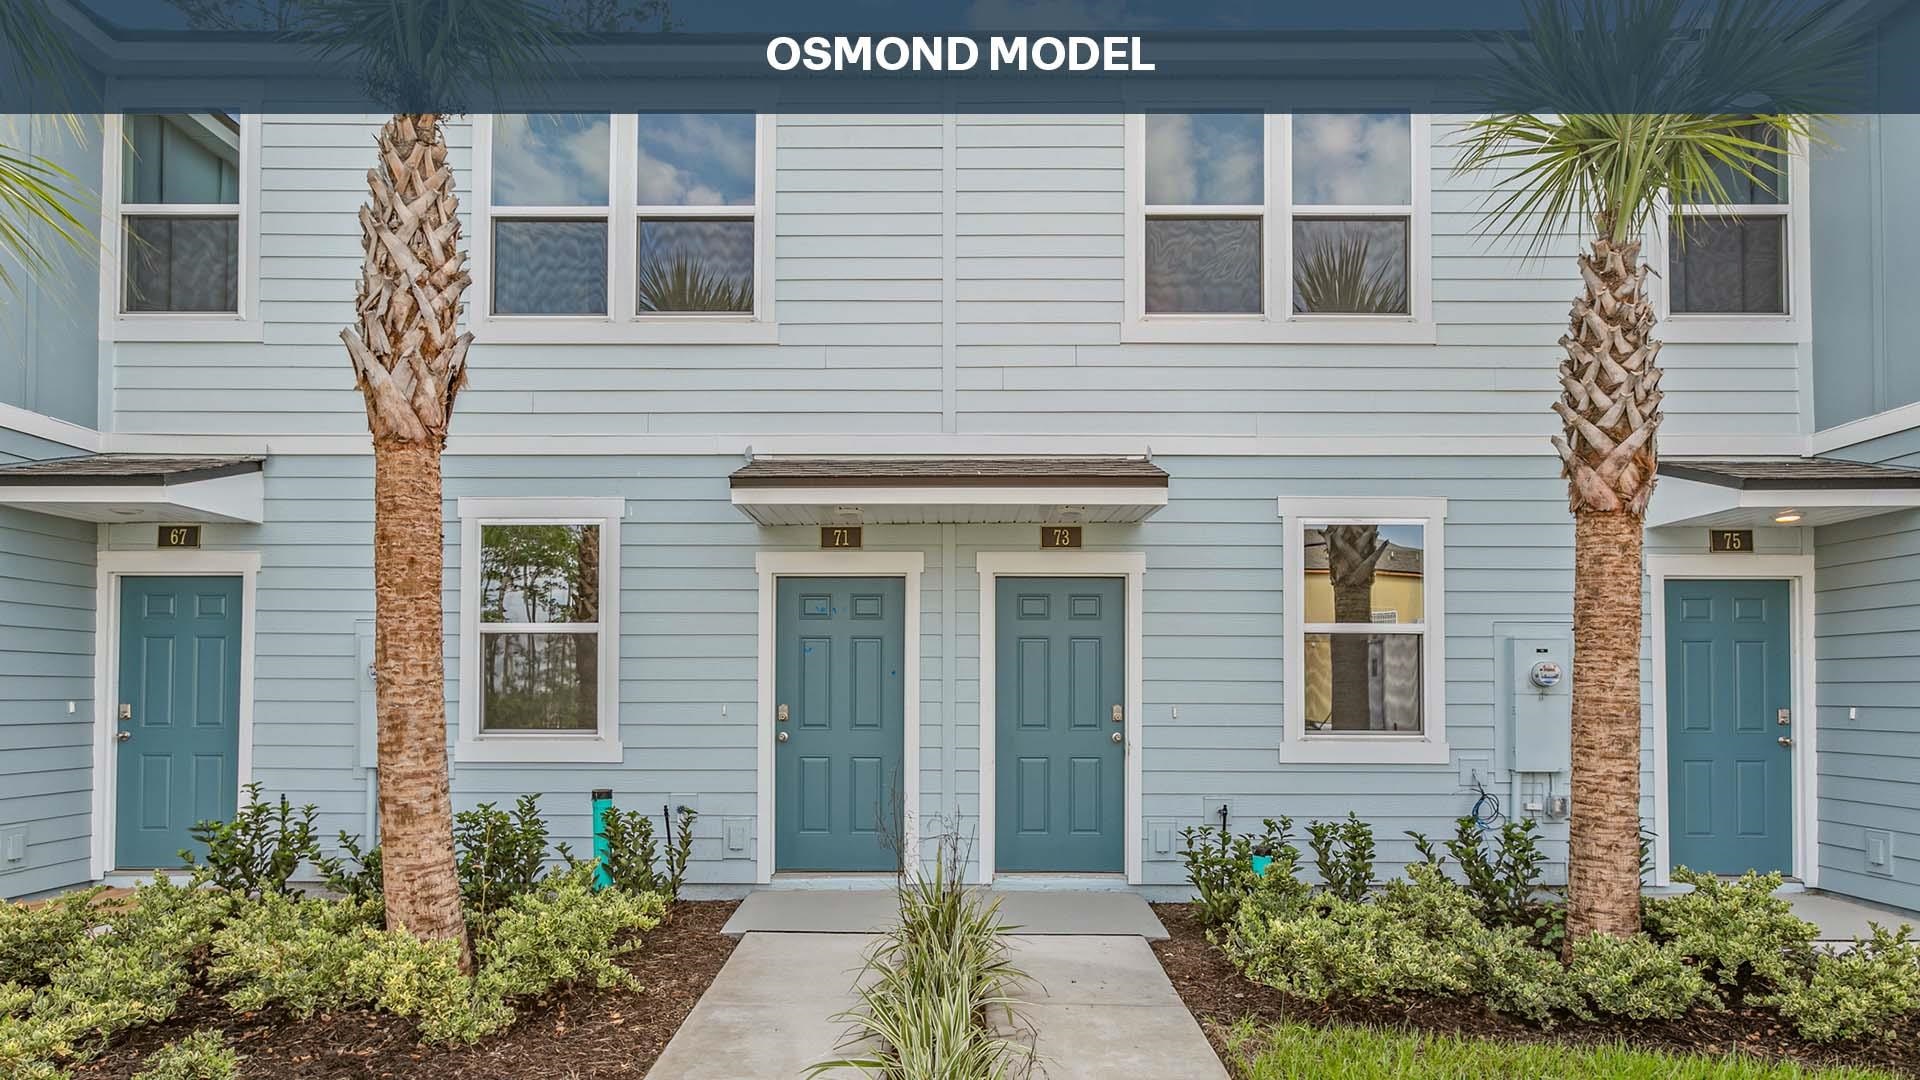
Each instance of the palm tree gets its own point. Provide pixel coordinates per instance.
(39, 200)
(1615, 168)
(409, 360)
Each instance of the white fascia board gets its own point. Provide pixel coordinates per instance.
(240, 499)
(950, 495)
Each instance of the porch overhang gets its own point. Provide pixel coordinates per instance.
(1747, 494)
(115, 488)
(948, 490)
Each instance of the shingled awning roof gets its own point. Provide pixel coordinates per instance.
(138, 487)
(920, 490)
(1735, 493)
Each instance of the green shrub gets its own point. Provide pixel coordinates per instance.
(1863, 993)
(289, 952)
(1518, 977)
(1738, 932)
(203, 1055)
(397, 973)
(1505, 879)
(562, 933)
(633, 853)
(1635, 978)
(1343, 853)
(259, 850)
(357, 876)
(1220, 864)
(35, 940)
(501, 854)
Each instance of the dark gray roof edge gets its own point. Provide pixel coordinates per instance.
(142, 471)
(1863, 477)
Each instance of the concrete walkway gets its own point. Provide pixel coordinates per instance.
(1098, 1005)
(1841, 919)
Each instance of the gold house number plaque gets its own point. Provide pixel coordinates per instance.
(1059, 536)
(839, 536)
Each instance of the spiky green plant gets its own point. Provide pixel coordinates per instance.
(1337, 274)
(683, 283)
(1621, 71)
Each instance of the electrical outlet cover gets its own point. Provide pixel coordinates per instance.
(1879, 852)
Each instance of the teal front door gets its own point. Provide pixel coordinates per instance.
(177, 717)
(1729, 762)
(1060, 677)
(840, 725)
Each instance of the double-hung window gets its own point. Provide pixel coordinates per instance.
(180, 215)
(540, 625)
(1365, 646)
(623, 226)
(1731, 266)
(1253, 227)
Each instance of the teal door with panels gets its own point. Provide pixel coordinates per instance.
(1060, 754)
(839, 722)
(1729, 756)
(177, 717)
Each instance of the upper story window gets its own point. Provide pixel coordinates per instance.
(179, 225)
(1365, 647)
(180, 212)
(1250, 227)
(540, 628)
(650, 226)
(1735, 271)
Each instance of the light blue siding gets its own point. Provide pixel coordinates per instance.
(1214, 600)
(932, 274)
(1867, 621)
(1866, 247)
(49, 331)
(46, 669)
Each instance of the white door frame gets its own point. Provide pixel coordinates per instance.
(1797, 571)
(771, 567)
(111, 566)
(993, 565)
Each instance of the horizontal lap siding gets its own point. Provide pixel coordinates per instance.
(1867, 625)
(46, 663)
(931, 274)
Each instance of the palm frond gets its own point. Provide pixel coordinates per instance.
(683, 283)
(39, 201)
(36, 48)
(1338, 275)
(1663, 101)
(436, 55)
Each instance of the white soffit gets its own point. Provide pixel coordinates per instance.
(917, 491)
(115, 488)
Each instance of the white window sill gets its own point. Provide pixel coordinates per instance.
(1374, 750)
(1732, 330)
(602, 330)
(509, 749)
(1260, 330)
(185, 327)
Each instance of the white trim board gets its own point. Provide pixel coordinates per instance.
(1894, 421)
(736, 445)
(993, 565)
(771, 566)
(50, 428)
(1797, 571)
(111, 567)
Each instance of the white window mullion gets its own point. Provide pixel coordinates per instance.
(1278, 231)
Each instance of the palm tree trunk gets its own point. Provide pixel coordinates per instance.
(409, 361)
(1610, 405)
(1603, 862)
(416, 811)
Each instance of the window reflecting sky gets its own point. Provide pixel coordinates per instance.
(1352, 160)
(550, 159)
(696, 159)
(1205, 159)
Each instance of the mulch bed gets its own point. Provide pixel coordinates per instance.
(579, 1034)
(1218, 996)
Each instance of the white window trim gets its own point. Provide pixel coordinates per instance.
(1430, 746)
(1278, 323)
(116, 325)
(513, 747)
(623, 324)
(1793, 328)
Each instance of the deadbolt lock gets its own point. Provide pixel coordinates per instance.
(1784, 717)
(780, 713)
(1119, 717)
(126, 711)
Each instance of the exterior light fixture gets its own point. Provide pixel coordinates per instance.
(1786, 517)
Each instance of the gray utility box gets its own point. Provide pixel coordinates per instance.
(1540, 703)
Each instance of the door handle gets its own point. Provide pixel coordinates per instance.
(1119, 737)
(1785, 741)
(123, 736)
(782, 737)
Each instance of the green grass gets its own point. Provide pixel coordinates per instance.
(1299, 1052)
